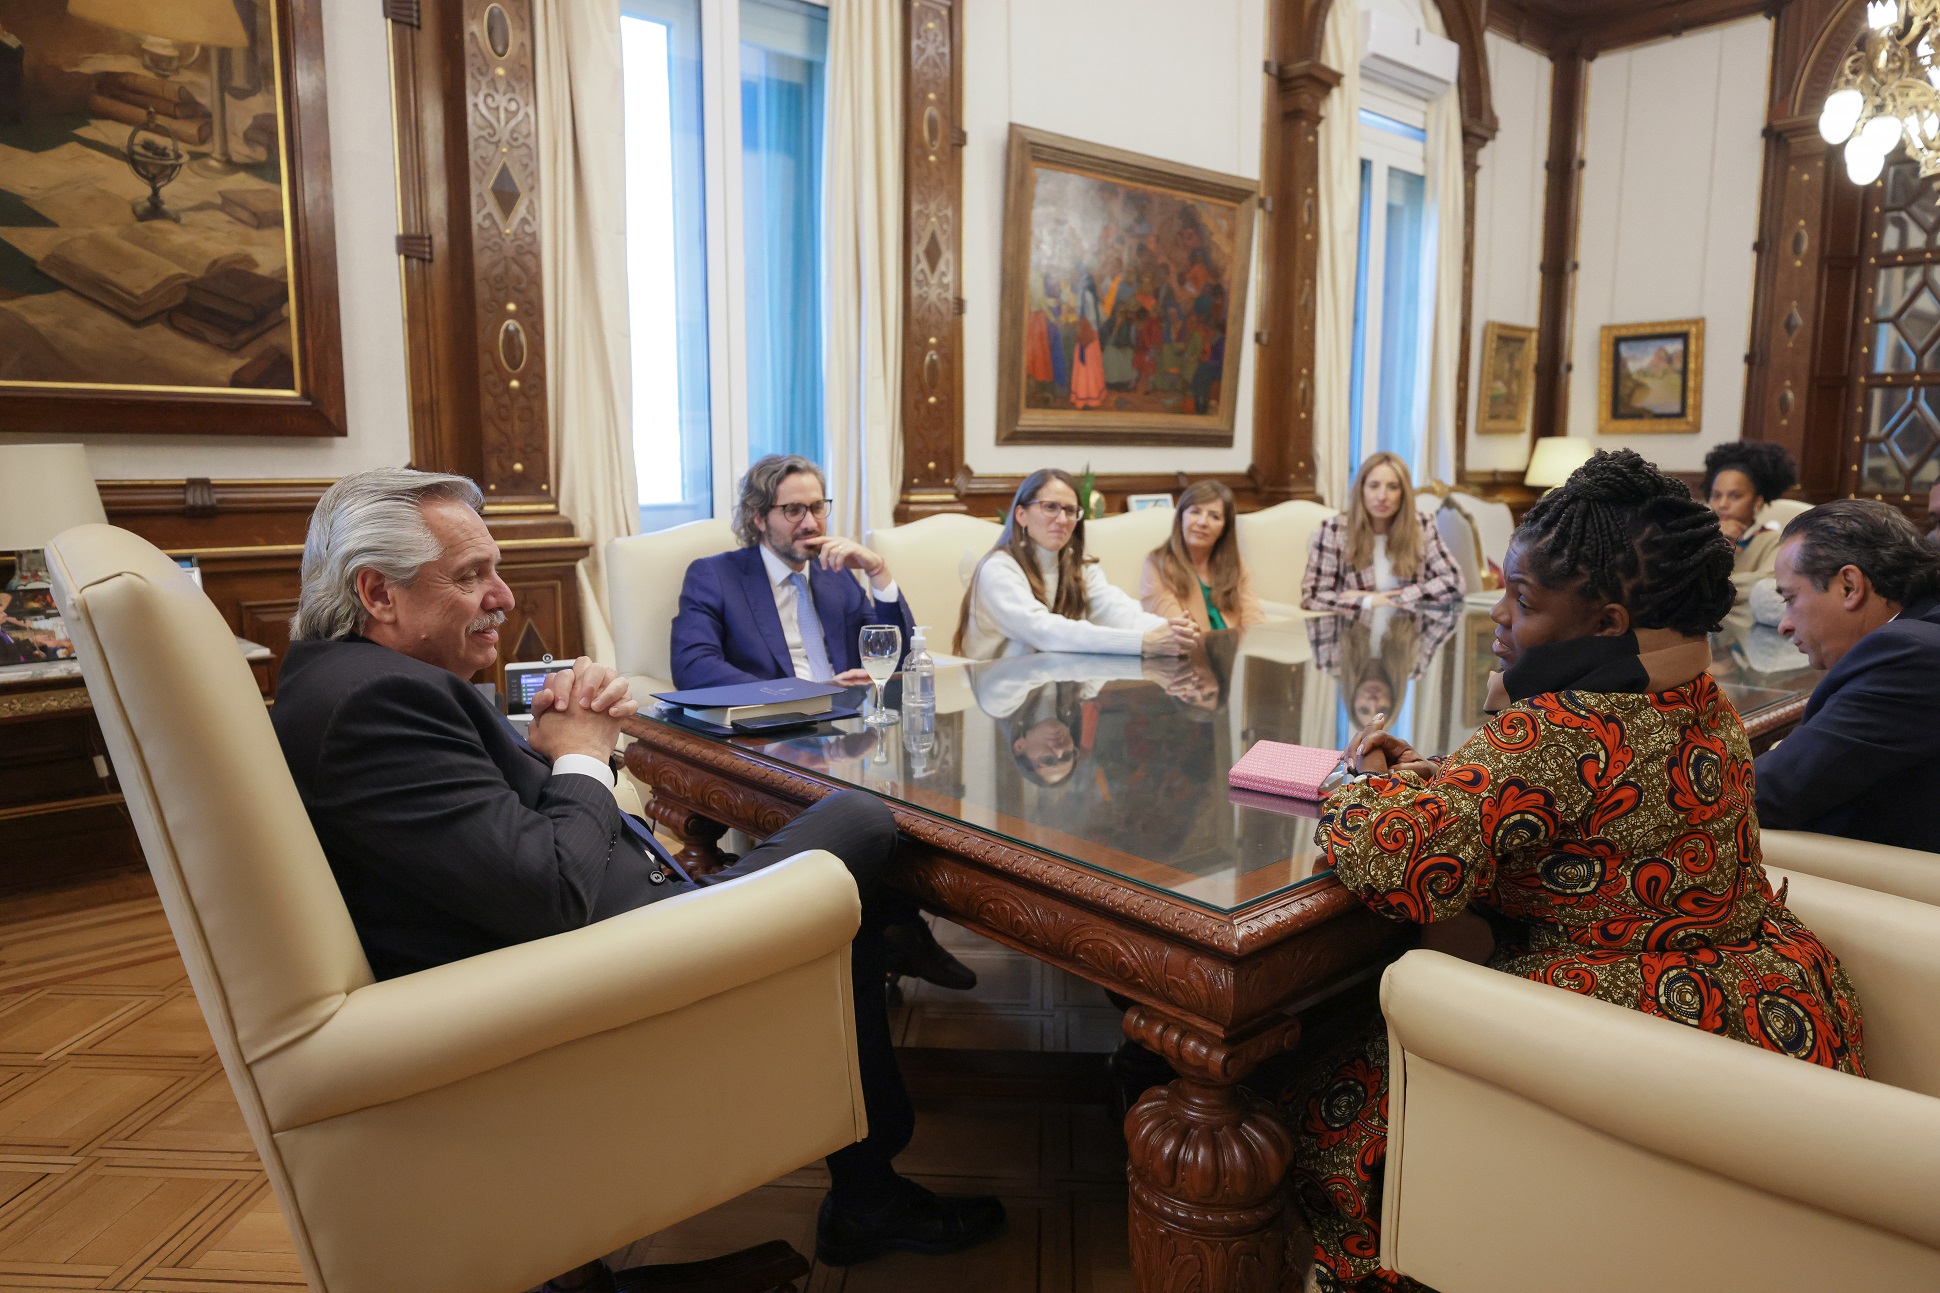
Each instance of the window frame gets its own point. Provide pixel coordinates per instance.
(1395, 139)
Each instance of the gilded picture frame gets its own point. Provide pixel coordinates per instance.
(168, 253)
(1650, 378)
(1123, 306)
(1506, 382)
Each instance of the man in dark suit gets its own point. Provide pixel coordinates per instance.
(786, 604)
(451, 835)
(1862, 599)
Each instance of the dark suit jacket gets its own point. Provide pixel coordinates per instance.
(1865, 760)
(448, 834)
(727, 629)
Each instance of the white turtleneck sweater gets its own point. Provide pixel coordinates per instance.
(1006, 619)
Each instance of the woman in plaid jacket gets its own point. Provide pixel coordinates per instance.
(1372, 556)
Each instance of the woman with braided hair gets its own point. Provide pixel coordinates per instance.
(1739, 479)
(1600, 823)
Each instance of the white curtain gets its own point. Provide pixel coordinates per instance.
(864, 219)
(582, 227)
(1446, 197)
(1340, 236)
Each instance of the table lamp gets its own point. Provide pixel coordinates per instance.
(44, 489)
(164, 29)
(1555, 457)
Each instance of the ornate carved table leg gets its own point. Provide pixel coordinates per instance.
(1207, 1165)
(700, 836)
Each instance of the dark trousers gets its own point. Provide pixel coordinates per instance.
(857, 828)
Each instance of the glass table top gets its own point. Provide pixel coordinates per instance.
(1120, 764)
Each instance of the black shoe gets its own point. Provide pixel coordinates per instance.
(914, 951)
(915, 1221)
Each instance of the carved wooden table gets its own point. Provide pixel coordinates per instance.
(1077, 809)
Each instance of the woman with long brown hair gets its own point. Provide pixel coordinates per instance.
(1382, 552)
(1035, 590)
(1197, 573)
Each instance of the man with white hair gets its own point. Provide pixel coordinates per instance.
(450, 835)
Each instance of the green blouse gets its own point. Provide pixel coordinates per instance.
(1213, 616)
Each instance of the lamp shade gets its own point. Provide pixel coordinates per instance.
(1556, 456)
(193, 22)
(44, 489)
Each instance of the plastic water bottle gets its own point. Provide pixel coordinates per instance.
(919, 694)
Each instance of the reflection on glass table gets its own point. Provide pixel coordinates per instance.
(1120, 764)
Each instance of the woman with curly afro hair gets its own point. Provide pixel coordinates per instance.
(1739, 479)
(1597, 834)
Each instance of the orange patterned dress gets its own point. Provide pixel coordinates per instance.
(1611, 840)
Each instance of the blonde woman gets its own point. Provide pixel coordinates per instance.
(1381, 552)
(1197, 573)
(1035, 590)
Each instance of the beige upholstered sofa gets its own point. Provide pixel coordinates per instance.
(1273, 542)
(1541, 1140)
(477, 1127)
(932, 559)
(1908, 873)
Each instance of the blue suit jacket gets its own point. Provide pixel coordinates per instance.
(1865, 760)
(727, 629)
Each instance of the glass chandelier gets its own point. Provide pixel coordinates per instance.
(1888, 90)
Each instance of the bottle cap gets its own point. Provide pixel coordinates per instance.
(916, 637)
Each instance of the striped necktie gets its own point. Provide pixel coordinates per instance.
(809, 621)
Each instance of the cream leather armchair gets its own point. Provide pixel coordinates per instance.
(1906, 873)
(1273, 543)
(481, 1126)
(644, 573)
(1122, 542)
(932, 559)
(1542, 1140)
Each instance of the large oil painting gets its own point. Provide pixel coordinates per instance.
(1124, 296)
(1651, 377)
(147, 217)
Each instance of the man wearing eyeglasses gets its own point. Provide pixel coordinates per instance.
(785, 603)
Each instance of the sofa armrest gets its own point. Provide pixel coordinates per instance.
(411, 1034)
(1908, 873)
(1836, 1143)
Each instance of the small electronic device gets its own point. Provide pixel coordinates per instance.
(523, 682)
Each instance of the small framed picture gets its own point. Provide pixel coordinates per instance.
(1139, 502)
(1650, 377)
(1508, 380)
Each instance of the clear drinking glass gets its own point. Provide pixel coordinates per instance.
(882, 649)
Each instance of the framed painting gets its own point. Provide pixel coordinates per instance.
(167, 246)
(1508, 380)
(1124, 296)
(1650, 377)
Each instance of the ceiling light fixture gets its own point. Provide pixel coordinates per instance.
(1887, 92)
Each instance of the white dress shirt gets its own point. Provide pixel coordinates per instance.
(583, 765)
(1006, 619)
(779, 581)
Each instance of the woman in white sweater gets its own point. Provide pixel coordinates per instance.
(1036, 591)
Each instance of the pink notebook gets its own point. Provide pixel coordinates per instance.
(1276, 768)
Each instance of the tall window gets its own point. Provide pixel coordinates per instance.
(1394, 297)
(666, 237)
(784, 58)
(1898, 449)
(719, 381)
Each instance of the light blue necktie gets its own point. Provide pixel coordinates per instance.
(809, 621)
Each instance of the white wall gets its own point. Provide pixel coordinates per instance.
(1181, 80)
(1508, 226)
(377, 410)
(1673, 161)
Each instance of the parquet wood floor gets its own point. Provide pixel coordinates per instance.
(125, 1164)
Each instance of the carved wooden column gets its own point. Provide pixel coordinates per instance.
(932, 347)
(1473, 141)
(1562, 188)
(1787, 310)
(1283, 429)
(464, 103)
(1208, 1162)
